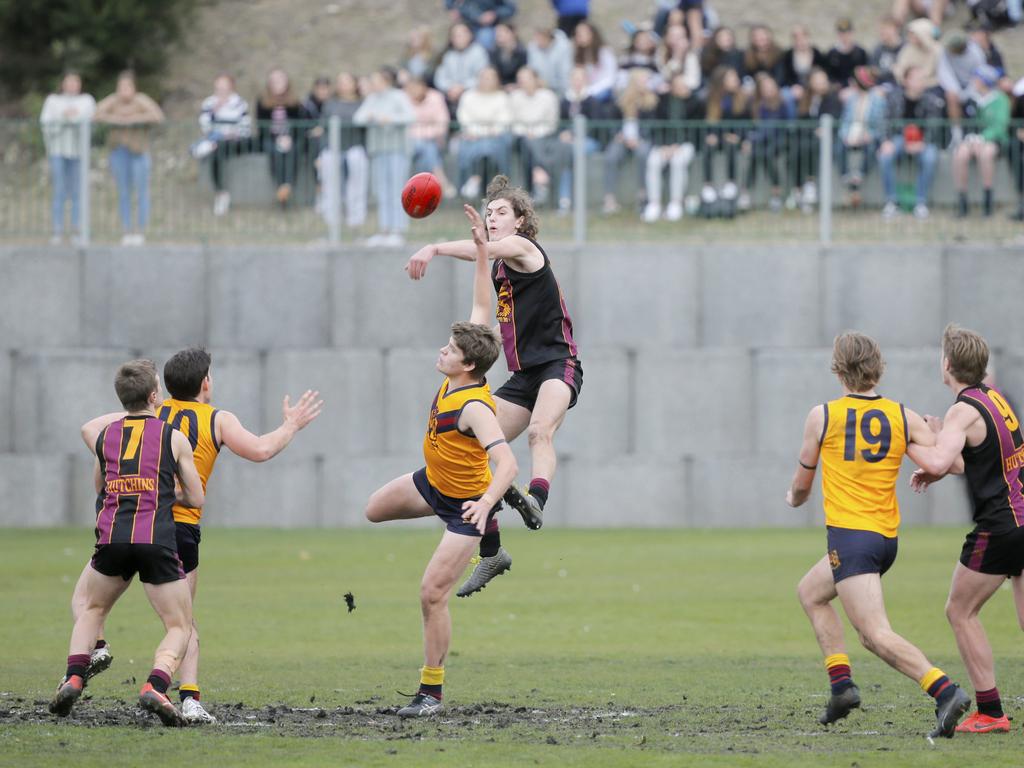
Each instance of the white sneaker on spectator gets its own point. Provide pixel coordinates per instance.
(890, 210)
(471, 188)
(743, 202)
(774, 204)
(674, 211)
(809, 193)
(692, 204)
(133, 238)
(203, 148)
(376, 241)
(792, 200)
(708, 195)
(921, 211)
(652, 212)
(221, 203)
(729, 191)
(564, 206)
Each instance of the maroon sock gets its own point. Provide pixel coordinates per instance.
(989, 702)
(539, 488)
(78, 663)
(160, 680)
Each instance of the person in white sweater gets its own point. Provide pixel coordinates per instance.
(226, 125)
(485, 116)
(535, 120)
(61, 119)
(387, 113)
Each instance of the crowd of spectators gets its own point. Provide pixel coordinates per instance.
(501, 99)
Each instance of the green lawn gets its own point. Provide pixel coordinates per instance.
(600, 648)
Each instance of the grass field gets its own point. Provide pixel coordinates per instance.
(601, 648)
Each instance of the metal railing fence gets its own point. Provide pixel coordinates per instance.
(333, 182)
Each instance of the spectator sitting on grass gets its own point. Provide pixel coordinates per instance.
(484, 116)
(883, 57)
(673, 145)
(131, 115)
(535, 114)
(637, 104)
(227, 127)
(984, 145)
(460, 66)
(769, 140)
(578, 101)
(912, 113)
(353, 165)
(508, 55)
(860, 130)
(960, 60)
(721, 51)
(819, 98)
(727, 103)
(278, 112)
(596, 58)
(61, 119)
(798, 62)
(679, 58)
(481, 16)
(845, 56)
(549, 54)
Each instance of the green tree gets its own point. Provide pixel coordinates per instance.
(41, 38)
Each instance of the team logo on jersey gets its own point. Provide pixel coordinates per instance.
(432, 426)
(833, 558)
(504, 311)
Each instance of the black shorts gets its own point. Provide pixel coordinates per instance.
(449, 509)
(188, 536)
(852, 552)
(996, 554)
(153, 563)
(522, 386)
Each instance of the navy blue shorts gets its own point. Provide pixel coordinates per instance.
(447, 508)
(523, 386)
(188, 536)
(852, 552)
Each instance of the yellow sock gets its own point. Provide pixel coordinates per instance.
(931, 677)
(836, 659)
(432, 676)
(186, 691)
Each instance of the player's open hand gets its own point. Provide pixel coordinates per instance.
(477, 513)
(920, 480)
(477, 224)
(417, 266)
(304, 411)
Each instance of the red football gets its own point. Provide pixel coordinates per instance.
(421, 195)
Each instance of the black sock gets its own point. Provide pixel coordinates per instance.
(539, 488)
(100, 644)
(988, 202)
(490, 542)
(989, 702)
(431, 690)
(160, 680)
(963, 202)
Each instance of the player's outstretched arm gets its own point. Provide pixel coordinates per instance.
(91, 429)
(810, 449)
(510, 249)
(480, 420)
(190, 492)
(259, 448)
(944, 456)
(481, 312)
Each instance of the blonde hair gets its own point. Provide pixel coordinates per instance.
(967, 353)
(857, 361)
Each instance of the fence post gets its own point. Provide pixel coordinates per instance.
(84, 151)
(825, 180)
(331, 175)
(579, 179)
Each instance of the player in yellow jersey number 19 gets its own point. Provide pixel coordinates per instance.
(860, 439)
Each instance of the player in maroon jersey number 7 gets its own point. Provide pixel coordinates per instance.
(540, 350)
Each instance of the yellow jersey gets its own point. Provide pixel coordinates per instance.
(862, 446)
(457, 464)
(196, 421)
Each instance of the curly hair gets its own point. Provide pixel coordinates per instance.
(501, 188)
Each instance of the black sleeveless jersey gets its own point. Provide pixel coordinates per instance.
(995, 468)
(532, 314)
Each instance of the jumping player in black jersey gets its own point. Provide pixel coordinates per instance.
(536, 332)
(980, 437)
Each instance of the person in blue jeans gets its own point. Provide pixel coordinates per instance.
(61, 119)
(131, 116)
(912, 112)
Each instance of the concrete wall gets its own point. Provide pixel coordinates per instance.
(700, 366)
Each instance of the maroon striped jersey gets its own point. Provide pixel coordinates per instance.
(532, 314)
(137, 466)
(995, 468)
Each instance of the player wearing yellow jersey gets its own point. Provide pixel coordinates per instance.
(860, 439)
(463, 435)
(188, 410)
